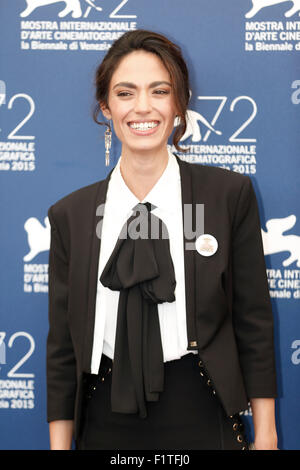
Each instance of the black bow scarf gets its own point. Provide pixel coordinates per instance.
(141, 268)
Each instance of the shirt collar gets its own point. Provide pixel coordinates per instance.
(163, 195)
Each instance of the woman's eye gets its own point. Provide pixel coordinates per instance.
(123, 93)
(161, 92)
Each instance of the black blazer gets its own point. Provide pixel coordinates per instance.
(228, 292)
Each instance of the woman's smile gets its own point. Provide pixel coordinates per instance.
(143, 128)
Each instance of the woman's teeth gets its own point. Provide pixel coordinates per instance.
(143, 126)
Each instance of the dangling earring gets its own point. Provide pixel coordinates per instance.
(107, 143)
(177, 120)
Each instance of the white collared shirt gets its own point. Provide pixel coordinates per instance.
(166, 196)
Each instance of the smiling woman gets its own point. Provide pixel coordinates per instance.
(157, 342)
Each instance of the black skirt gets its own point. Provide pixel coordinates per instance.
(187, 416)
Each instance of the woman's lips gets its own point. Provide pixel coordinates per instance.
(146, 131)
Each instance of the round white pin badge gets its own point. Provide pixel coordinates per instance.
(206, 245)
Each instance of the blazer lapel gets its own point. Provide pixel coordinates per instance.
(93, 274)
(188, 197)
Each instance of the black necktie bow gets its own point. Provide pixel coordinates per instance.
(141, 268)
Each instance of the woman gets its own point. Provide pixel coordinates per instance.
(162, 341)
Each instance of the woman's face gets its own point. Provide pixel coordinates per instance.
(141, 103)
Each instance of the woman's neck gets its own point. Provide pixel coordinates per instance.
(141, 171)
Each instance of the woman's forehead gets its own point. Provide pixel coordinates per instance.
(140, 66)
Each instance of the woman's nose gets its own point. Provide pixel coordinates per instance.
(142, 103)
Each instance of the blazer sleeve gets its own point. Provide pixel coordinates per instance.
(251, 307)
(61, 364)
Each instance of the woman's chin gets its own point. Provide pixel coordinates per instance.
(144, 146)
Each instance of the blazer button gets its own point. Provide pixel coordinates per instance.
(239, 438)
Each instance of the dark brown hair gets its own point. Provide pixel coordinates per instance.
(170, 55)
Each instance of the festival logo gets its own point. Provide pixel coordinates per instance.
(17, 384)
(38, 237)
(17, 150)
(272, 35)
(274, 241)
(72, 7)
(86, 25)
(257, 5)
(193, 127)
(236, 151)
(283, 283)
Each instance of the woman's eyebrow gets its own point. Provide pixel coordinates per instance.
(132, 85)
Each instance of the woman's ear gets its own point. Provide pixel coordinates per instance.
(105, 110)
